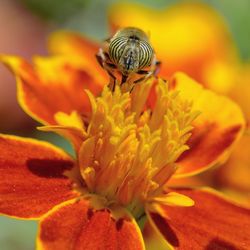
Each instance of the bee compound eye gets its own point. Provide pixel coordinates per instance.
(116, 48)
(146, 54)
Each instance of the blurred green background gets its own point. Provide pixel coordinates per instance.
(90, 18)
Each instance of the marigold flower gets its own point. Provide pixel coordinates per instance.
(127, 148)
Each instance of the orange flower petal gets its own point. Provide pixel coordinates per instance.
(216, 129)
(70, 43)
(69, 126)
(188, 37)
(31, 177)
(53, 84)
(74, 225)
(212, 223)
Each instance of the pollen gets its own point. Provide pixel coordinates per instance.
(130, 150)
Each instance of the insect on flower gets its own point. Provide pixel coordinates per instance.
(140, 138)
(128, 57)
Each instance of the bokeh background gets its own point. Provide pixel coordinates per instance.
(24, 27)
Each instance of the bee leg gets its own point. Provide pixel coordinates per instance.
(146, 74)
(111, 65)
(124, 79)
(142, 72)
(106, 55)
(112, 81)
(131, 89)
(99, 60)
(141, 79)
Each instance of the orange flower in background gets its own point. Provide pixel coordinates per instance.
(188, 37)
(127, 147)
(194, 38)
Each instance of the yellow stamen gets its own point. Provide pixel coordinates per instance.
(129, 153)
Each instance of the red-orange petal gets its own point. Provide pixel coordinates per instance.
(31, 177)
(216, 129)
(53, 84)
(212, 223)
(75, 225)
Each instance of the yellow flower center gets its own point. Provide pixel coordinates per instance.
(129, 152)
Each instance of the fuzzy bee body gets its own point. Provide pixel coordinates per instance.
(128, 57)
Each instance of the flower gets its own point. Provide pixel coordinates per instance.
(194, 38)
(127, 148)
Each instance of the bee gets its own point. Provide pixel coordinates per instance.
(128, 57)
